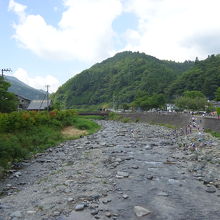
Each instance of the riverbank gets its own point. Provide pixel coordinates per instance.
(111, 174)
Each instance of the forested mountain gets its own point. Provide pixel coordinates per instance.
(121, 77)
(204, 77)
(19, 88)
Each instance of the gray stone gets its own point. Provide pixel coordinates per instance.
(30, 212)
(108, 214)
(80, 207)
(211, 189)
(94, 212)
(16, 214)
(140, 211)
(162, 194)
(125, 196)
(121, 174)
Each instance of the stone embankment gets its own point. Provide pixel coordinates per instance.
(179, 120)
(125, 172)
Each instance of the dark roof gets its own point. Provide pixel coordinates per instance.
(22, 97)
(39, 104)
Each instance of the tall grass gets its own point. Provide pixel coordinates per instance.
(25, 133)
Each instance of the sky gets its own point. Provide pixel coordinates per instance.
(46, 42)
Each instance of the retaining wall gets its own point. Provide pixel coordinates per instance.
(179, 120)
(176, 119)
(212, 123)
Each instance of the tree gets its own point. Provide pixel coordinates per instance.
(193, 94)
(192, 100)
(8, 101)
(217, 94)
(218, 111)
(147, 102)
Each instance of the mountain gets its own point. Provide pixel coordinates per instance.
(19, 88)
(120, 78)
(204, 77)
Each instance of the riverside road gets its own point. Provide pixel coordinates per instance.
(126, 171)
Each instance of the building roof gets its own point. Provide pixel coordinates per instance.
(22, 97)
(39, 104)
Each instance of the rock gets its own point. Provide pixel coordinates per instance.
(17, 174)
(70, 199)
(80, 207)
(150, 177)
(125, 196)
(162, 194)
(56, 213)
(121, 174)
(105, 201)
(94, 212)
(108, 214)
(118, 160)
(31, 212)
(140, 211)
(211, 189)
(134, 167)
(16, 214)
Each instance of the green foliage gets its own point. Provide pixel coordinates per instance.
(121, 77)
(193, 94)
(25, 133)
(204, 77)
(218, 111)
(8, 101)
(85, 124)
(213, 133)
(147, 102)
(217, 94)
(192, 100)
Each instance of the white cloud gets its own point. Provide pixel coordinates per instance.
(37, 82)
(84, 31)
(166, 28)
(19, 9)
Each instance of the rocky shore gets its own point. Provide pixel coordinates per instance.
(126, 171)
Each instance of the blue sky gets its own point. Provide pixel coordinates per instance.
(49, 41)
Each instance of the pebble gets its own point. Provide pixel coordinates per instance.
(162, 194)
(31, 212)
(16, 214)
(140, 211)
(80, 207)
(125, 196)
(70, 199)
(211, 189)
(108, 214)
(121, 174)
(94, 212)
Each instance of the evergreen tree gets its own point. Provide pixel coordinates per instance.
(8, 101)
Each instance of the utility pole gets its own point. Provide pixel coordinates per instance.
(114, 102)
(47, 95)
(5, 70)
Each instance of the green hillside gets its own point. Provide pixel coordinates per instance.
(204, 77)
(121, 77)
(19, 88)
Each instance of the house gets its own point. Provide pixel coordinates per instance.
(39, 105)
(23, 102)
(215, 103)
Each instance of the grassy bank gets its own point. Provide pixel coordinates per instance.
(213, 133)
(116, 117)
(23, 134)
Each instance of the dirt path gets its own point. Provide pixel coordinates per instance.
(107, 174)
